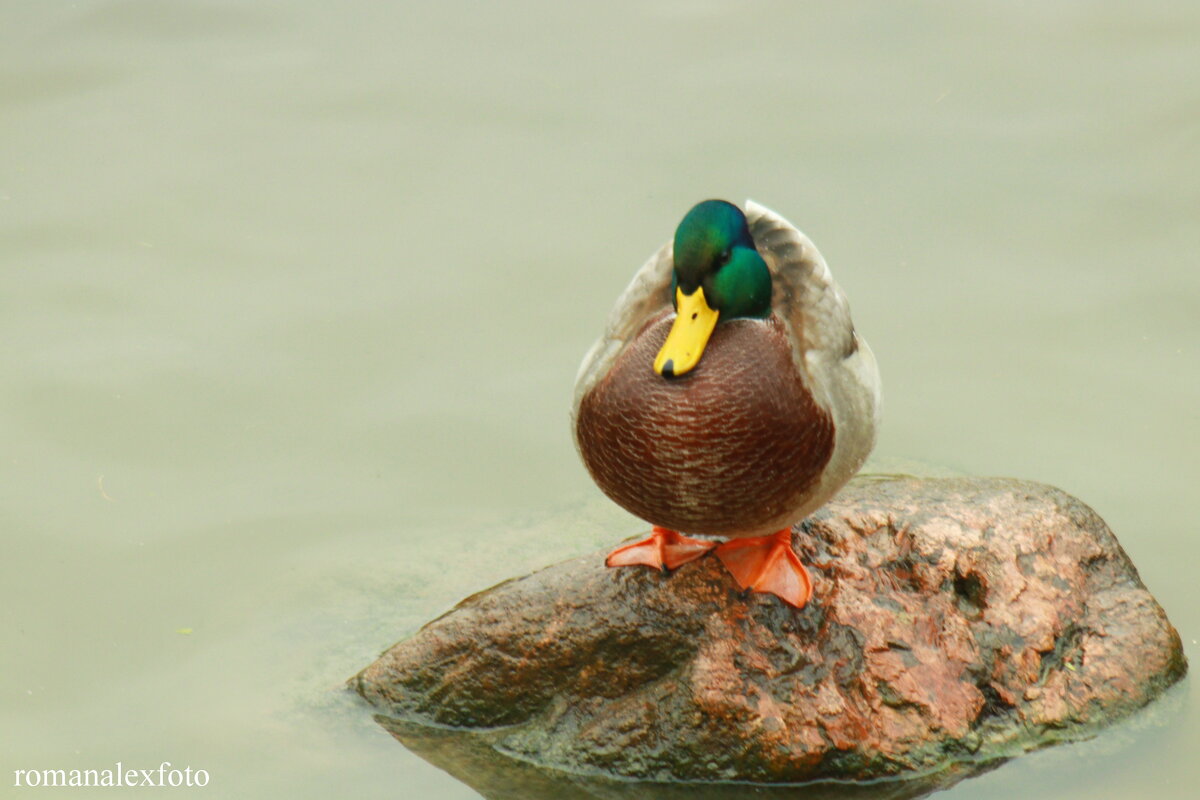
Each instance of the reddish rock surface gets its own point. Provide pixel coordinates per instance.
(954, 623)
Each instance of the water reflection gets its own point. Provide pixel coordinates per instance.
(470, 757)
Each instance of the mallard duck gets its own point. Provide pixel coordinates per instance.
(728, 398)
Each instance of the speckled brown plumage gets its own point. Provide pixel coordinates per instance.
(722, 450)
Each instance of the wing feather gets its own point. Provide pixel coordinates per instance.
(646, 295)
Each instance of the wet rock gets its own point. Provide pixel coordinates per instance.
(954, 622)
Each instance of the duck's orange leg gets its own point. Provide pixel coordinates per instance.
(664, 549)
(768, 564)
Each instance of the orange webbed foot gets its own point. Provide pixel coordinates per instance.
(768, 564)
(664, 549)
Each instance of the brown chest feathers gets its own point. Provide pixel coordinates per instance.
(724, 449)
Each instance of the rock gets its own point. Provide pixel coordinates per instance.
(955, 623)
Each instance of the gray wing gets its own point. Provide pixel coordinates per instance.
(806, 296)
(838, 363)
(646, 295)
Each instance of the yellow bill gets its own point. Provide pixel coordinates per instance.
(694, 323)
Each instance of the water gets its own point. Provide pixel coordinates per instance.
(293, 295)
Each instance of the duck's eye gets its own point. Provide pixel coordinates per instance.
(724, 257)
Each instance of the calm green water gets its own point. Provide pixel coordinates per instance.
(292, 296)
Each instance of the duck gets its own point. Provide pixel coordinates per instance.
(728, 398)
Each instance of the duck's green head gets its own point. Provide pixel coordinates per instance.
(719, 275)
